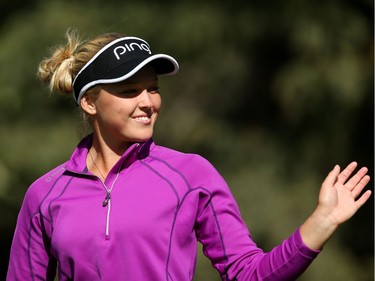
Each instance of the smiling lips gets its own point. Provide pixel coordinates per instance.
(145, 119)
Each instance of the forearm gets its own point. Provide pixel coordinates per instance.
(317, 230)
(286, 261)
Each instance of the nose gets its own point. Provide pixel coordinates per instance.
(145, 99)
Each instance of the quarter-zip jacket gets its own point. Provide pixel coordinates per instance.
(161, 203)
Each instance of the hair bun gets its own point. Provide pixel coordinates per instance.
(57, 71)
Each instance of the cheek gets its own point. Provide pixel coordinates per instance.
(156, 101)
(114, 111)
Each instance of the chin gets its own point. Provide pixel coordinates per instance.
(138, 135)
(142, 138)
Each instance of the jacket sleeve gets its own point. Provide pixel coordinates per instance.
(228, 244)
(29, 255)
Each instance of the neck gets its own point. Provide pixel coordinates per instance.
(107, 143)
(103, 156)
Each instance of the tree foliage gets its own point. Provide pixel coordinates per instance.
(273, 94)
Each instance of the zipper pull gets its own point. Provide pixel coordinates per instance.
(106, 200)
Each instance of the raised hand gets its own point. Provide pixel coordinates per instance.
(339, 192)
(338, 201)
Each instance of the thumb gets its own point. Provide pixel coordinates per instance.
(331, 178)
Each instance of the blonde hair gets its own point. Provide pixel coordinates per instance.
(59, 70)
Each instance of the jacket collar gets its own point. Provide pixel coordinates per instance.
(137, 151)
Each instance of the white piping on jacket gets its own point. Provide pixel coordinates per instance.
(108, 200)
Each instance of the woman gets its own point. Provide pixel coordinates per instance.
(124, 208)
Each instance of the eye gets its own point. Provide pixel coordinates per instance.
(129, 92)
(154, 90)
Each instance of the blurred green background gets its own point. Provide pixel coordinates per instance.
(273, 93)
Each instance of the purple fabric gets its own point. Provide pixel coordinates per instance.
(162, 202)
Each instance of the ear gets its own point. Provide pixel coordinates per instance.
(88, 105)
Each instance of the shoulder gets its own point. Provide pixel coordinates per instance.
(180, 158)
(47, 178)
(41, 186)
(195, 168)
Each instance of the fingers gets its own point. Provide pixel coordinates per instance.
(345, 174)
(357, 189)
(331, 178)
(354, 181)
(344, 177)
(362, 200)
(354, 184)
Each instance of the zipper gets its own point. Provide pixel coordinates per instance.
(107, 220)
(107, 200)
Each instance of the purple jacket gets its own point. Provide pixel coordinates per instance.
(161, 203)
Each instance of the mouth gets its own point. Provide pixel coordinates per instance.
(143, 118)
